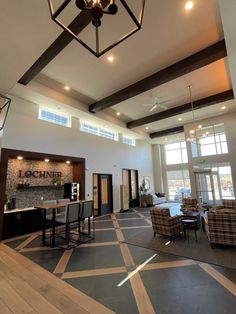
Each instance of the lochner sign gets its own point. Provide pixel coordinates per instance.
(39, 174)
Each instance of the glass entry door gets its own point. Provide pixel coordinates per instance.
(207, 187)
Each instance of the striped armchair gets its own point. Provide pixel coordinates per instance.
(230, 204)
(221, 227)
(163, 223)
(189, 204)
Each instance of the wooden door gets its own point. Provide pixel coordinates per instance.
(102, 193)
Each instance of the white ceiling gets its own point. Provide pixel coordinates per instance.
(169, 34)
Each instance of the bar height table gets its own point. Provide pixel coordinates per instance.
(53, 207)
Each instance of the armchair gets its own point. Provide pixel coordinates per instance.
(189, 204)
(230, 204)
(163, 223)
(221, 227)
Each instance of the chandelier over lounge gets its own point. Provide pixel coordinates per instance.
(196, 133)
(92, 11)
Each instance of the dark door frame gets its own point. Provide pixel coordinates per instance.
(99, 190)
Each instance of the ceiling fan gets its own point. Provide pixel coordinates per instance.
(156, 104)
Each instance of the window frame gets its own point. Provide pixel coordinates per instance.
(54, 113)
(182, 147)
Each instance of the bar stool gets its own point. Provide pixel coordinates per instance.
(70, 220)
(48, 216)
(61, 210)
(86, 212)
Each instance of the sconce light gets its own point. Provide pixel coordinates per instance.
(4, 108)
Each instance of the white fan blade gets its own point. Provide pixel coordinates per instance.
(153, 108)
(163, 107)
(146, 105)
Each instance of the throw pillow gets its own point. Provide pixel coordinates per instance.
(158, 194)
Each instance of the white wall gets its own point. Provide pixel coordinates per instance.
(24, 131)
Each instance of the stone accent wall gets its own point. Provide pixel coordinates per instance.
(32, 196)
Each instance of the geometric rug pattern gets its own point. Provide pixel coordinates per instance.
(130, 279)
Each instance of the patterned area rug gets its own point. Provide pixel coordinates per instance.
(199, 250)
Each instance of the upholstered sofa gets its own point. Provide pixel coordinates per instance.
(152, 199)
(220, 226)
(163, 223)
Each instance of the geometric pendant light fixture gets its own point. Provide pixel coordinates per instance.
(4, 108)
(93, 12)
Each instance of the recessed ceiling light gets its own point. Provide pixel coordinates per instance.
(189, 5)
(223, 107)
(19, 157)
(68, 162)
(46, 160)
(147, 128)
(180, 119)
(67, 88)
(110, 58)
(118, 113)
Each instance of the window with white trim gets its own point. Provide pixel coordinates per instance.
(176, 153)
(92, 129)
(54, 117)
(88, 128)
(128, 140)
(108, 134)
(215, 143)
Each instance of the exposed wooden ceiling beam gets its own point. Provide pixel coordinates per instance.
(77, 25)
(198, 104)
(187, 65)
(169, 132)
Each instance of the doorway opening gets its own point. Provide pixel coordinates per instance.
(130, 179)
(102, 194)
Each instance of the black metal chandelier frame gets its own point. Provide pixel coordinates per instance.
(98, 53)
(7, 105)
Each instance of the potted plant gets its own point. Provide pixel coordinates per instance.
(142, 188)
(143, 191)
(56, 180)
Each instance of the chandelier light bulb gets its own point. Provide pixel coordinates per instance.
(189, 5)
(192, 131)
(200, 126)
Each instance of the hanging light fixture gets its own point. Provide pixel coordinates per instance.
(95, 9)
(195, 134)
(4, 108)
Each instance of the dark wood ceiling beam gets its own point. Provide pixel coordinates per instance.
(168, 132)
(185, 66)
(198, 104)
(77, 25)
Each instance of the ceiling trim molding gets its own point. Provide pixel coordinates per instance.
(198, 60)
(171, 131)
(198, 104)
(63, 40)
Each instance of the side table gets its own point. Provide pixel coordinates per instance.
(189, 224)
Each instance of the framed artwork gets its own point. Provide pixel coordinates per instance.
(147, 181)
